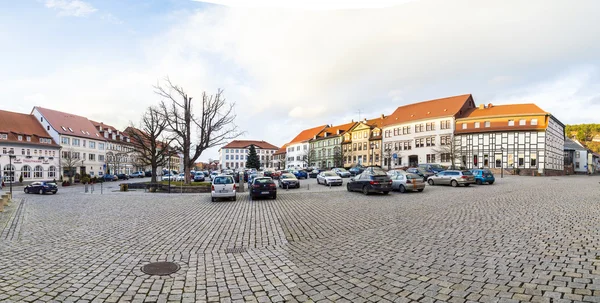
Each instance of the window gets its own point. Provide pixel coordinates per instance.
(38, 172)
(359, 146)
(92, 157)
(475, 160)
(354, 146)
(101, 158)
(430, 158)
(64, 140)
(92, 144)
(445, 157)
(577, 154)
(48, 127)
(20, 138)
(476, 124)
(464, 126)
(83, 143)
(101, 146)
(521, 161)
(487, 123)
(41, 119)
(533, 121)
(576, 164)
(26, 172)
(28, 139)
(365, 146)
(511, 122)
(533, 160)
(445, 124)
(51, 172)
(522, 122)
(9, 173)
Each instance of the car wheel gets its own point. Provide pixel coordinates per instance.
(420, 190)
(274, 196)
(365, 190)
(298, 186)
(467, 185)
(402, 189)
(26, 190)
(490, 183)
(326, 183)
(430, 182)
(454, 183)
(213, 199)
(386, 192)
(41, 192)
(318, 182)
(479, 182)
(234, 198)
(348, 187)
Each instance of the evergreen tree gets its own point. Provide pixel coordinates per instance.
(253, 161)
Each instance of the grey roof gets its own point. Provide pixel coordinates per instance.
(571, 144)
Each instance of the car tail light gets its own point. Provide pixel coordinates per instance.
(374, 182)
(272, 185)
(212, 187)
(234, 186)
(465, 177)
(256, 186)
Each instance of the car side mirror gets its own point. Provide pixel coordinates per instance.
(352, 179)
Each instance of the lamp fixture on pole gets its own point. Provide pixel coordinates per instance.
(12, 170)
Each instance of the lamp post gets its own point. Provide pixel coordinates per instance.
(372, 145)
(502, 166)
(12, 170)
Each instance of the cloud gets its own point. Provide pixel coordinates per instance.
(72, 8)
(112, 19)
(309, 4)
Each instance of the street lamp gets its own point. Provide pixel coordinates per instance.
(12, 170)
(372, 150)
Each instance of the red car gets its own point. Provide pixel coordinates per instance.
(276, 174)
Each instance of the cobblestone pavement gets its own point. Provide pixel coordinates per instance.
(521, 239)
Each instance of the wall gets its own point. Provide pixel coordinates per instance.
(19, 161)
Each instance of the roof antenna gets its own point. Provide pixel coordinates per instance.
(359, 111)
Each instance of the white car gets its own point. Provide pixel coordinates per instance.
(329, 178)
(180, 177)
(167, 177)
(213, 175)
(223, 186)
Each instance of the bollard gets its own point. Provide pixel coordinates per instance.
(5, 199)
(86, 188)
(308, 187)
(2, 203)
(102, 188)
(329, 185)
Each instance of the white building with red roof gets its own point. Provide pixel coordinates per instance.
(26, 149)
(234, 154)
(79, 139)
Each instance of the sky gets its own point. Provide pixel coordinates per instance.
(292, 65)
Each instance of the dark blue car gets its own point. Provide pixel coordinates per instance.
(300, 174)
(357, 170)
(41, 188)
(483, 176)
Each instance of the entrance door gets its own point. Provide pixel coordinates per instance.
(413, 160)
(82, 170)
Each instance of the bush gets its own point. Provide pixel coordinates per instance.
(85, 179)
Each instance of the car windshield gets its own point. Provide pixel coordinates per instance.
(329, 174)
(413, 176)
(263, 181)
(341, 169)
(287, 176)
(223, 180)
(377, 171)
(467, 173)
(436, 166)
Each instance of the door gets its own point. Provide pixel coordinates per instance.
(82, 170)
(413, 160)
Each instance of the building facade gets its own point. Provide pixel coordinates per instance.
(279, 158)
(120, 153)
(326, 147)
(83, 148)
(362, 143)
(423, 132)
(27, 150)
(235, 154)
(518, 137)
(298, 150)
(576, 156)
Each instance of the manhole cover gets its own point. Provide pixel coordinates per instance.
(160, 268)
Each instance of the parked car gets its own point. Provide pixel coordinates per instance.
(342, 172)
(109, 177)
(268, 173)
(263, 187)
(421, 172)
(300, 174)
(137, 174)
(41, 188)
(356, 170)
(167, 177)
(213, 175)
(199, 177)
(122, 177)
(483, 176)
(373, 180)
(227, 172)
(288, 180)
(329, 178)
(180, 177)
(452, 177)
(404, 181)
(275, 175)
(223, 187)
(148, 173)
(432, 168)
(313, 173)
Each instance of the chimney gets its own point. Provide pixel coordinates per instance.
(352, 120)
(481, 106)
(490, 105)
(382, 116)
(365, 120)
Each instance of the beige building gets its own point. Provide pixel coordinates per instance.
(362, 143)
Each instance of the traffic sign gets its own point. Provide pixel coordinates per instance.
(395, 156)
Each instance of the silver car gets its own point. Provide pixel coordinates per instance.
(288, 180)
(452, 177)
(403, 181)
(223, 186)
(342, 172)
(329, 178)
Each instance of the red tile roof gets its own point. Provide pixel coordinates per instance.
(15, 124)
(333, 130)
(69, 124)
(281, 150)
(113, 130)
(307, 134)
(437, 108)
(247, 143)
(504, 110)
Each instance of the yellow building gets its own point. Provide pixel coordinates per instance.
(362, 143)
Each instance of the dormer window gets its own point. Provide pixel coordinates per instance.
(533, 121)
(4, 136)
(28, 138)
(522, 122)
(476, 124)
(71, 130)
(464, 126)
(487, 123)
(63, 128)
(511, 122)
(20, 138)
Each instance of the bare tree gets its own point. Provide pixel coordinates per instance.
(69, 161)
(338, 160)
(388, 156)
(116, 159)
(215, 125)
(449, 150)
(309, 156)
(149, 143)
(348, 153)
